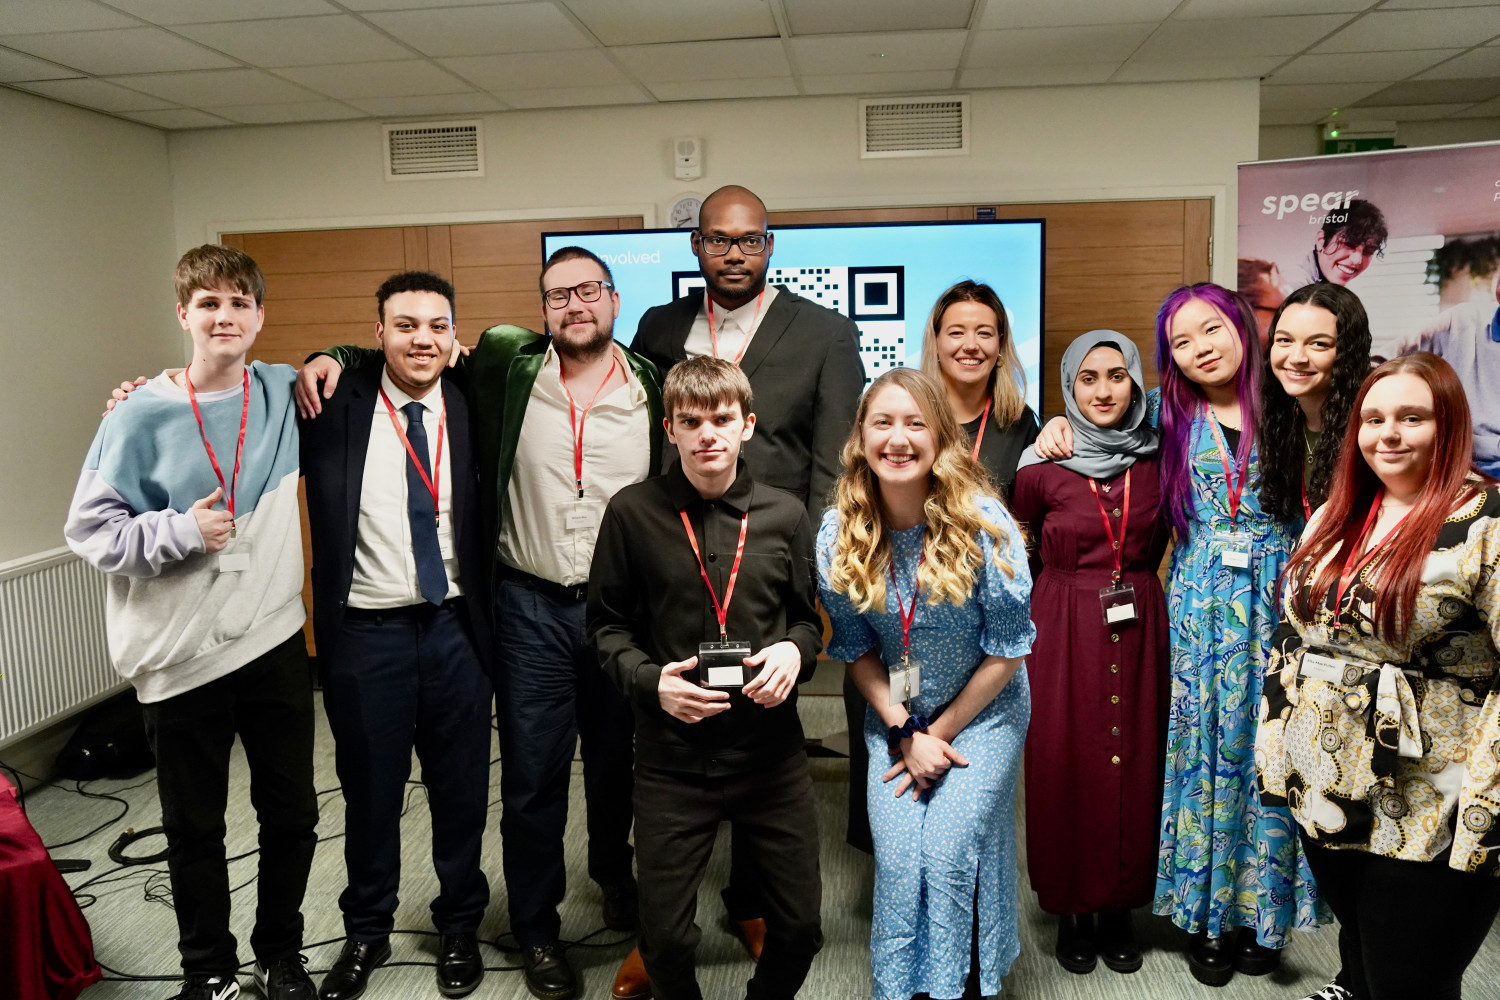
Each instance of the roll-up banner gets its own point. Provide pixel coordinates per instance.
(1414, 232)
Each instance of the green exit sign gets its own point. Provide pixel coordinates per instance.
(1355, 145)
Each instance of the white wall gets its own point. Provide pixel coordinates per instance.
(85, 277)
(1063, 143)
(1285, 142)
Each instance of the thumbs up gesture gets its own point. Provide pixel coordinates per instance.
(214, 525)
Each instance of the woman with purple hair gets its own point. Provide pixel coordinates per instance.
(1226, 860)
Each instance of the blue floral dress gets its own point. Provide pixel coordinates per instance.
(930, 855)
(1226, 860)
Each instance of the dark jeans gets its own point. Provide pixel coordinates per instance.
(268, 702)
(397, 681)
(773, 820)
(1408, 929)
(552, 692)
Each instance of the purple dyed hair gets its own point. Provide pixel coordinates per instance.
(1182, 399)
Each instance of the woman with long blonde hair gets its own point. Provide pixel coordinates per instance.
(924, 576)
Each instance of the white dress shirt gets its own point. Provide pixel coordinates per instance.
(545, 529)
(385, 570)
(735, 326)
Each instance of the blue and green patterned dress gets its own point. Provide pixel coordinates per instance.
(1226, 860)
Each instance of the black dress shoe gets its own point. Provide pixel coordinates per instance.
(351, 973)
(1211, 959)
(548, 975)
(1253, 958)
(621, 903)
(459, 967)
(1076, 948)
(1117, 944)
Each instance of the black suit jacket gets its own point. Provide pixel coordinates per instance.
(804, 368)
(334, 446)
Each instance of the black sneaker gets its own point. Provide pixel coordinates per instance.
(285, 979)
(209, 988)
(1333, 991)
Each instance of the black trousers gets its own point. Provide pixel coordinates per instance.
(773, 820)
(1408, 929)
(397, 681)
(268, 702)
(552, 692)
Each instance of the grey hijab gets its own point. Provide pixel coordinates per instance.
(1100, 452)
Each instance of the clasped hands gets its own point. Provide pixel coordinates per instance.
(925, 758)
(779, 663)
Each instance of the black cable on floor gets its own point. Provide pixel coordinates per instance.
(124, 811)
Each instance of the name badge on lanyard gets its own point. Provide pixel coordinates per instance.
(1118, 599)
(580, 515)
(1233, 545)
(906, 680)
(1329, 669)
(722, 664)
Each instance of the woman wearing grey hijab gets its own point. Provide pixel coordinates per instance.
(1099, 664)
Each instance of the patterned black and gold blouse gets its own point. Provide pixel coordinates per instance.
(1394, 747)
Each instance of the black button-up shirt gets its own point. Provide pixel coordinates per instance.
(648, 606)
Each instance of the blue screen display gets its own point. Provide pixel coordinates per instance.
(885, 277)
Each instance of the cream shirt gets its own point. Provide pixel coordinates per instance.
(735, 327)
(545, 529)
(385, 571)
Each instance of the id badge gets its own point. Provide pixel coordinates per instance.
(906, 681)
(1329, 669)
(722, 665)
(1234, 548)
(580, 515)
(1118, 603)
(236, 558)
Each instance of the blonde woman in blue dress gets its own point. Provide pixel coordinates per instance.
(925, 578)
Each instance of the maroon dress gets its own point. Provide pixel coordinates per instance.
(1099, 694)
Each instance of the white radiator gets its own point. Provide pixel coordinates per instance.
(53, 656)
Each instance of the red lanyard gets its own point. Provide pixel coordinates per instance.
(1306, 509)
(985, 419)
(908, 613)
(239, 449)
(1350, 571)
(429, 481)
(1117, 545)
(721, 610)
(713, 334)
(1234, 489)
(576, 420)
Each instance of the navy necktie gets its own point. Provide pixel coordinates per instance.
(431, 577)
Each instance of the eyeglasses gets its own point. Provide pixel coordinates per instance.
(588, 291)
(718, 246)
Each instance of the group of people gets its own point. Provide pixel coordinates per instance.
(627, 548)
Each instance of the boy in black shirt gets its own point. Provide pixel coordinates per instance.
(699, 558)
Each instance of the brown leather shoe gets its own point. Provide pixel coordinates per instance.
(753, 932)
(631, 982)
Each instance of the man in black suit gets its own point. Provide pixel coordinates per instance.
(400, 612)
(802, 359)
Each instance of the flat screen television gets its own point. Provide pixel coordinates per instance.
(884, 276)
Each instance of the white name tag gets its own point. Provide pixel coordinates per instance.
(1329, 669)
(1234, 548)
(580, 516)
(1120, 613)
(234, 562)
(906, 683)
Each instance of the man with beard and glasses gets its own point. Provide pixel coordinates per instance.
(562, 422)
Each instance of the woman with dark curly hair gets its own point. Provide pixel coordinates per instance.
(1320, 355)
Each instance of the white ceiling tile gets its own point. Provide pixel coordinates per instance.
(878, 83)
(1000, 14)
(1269, 8)
(1481, 62)
(574, 97)
(126, 50)
(1303, 117)
(1485, 109)
(1037, 76)
(218, 88)
(431, 104)
(884, 53)
(381, 79)
(1312, 95)
(1359, 67)
(1106, 43)
(273, 114)
(536, 70)
(96, 94)
(714, 90)
(476, 31)
(1397, 30)
(828, 17)
(1163, 70)
(1232, 37)
(300, 41)
(179, 118)
(641, 22)
(17, 16)
(681, 61)
(17, 66)
(1401, 113)
(198, 11)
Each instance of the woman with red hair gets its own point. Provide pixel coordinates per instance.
(1380, 724)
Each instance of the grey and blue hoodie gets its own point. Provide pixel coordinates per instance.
(174, 621)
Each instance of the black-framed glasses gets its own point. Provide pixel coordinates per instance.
(718, 246)
(588, 291)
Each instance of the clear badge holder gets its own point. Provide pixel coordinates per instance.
(1233, 548)
(906, 681)
(722, 665)
(1118, 603)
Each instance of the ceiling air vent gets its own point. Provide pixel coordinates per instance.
(914, 126)
(424, 150)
